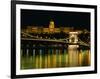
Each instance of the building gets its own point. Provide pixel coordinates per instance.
(51, 29)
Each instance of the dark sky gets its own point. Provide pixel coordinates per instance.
(78, 20)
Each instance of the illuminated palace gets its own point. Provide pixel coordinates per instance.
(51, 29)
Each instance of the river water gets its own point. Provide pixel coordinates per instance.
(69, 56)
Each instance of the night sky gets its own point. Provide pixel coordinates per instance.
(78, 20)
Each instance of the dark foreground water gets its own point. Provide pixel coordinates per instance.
(55, 57)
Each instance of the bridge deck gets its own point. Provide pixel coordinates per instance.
(54, 41)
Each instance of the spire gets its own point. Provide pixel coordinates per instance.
(51, 26)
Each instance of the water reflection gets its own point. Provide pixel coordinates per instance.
(46, 57)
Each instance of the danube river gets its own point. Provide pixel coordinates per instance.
(48, 57)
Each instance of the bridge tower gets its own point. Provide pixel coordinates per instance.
(73, 37)
(72, 49)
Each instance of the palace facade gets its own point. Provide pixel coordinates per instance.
(51, 29)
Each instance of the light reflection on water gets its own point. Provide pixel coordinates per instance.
(55, 58)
